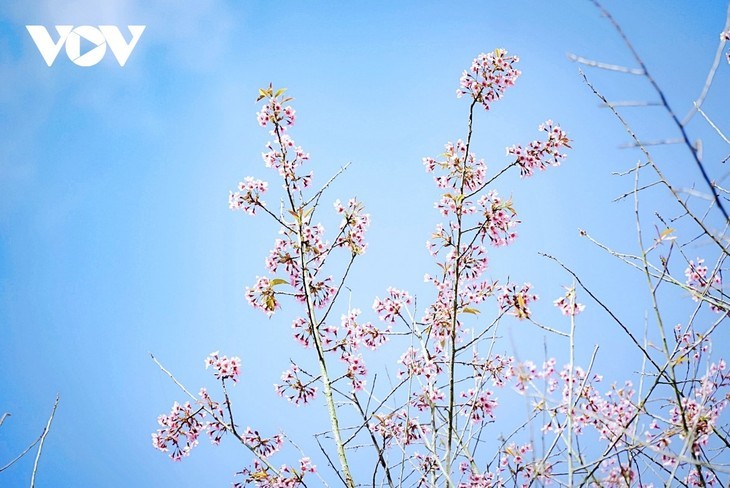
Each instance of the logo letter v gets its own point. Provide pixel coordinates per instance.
(49, 50)
(116, 42)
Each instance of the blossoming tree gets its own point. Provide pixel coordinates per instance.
(434, 424)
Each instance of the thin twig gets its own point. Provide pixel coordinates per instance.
(653, 142)
(606, 66)
(631, 104)
(35, 442)
(319, 193)
(712, 124)
(710, 75)
(42, 440)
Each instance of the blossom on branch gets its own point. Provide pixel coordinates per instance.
(488, 77)
(539, 155)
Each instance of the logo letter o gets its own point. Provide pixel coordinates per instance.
(73, 46)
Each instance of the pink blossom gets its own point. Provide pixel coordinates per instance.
(479, 405)
(225, 368)
(294, 389)
(399, 427)
(489, 76)
(265, 447)
(262, 296)
(180, 430)
(517, 300)
(262, 476)
(356, 370)
(428, 397)
(353, 226)
(499, 219)
(390, 307)
(362, 333)
(567, 304)
(248, 196)
(539, 155)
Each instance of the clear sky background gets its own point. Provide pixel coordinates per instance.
(115, 234)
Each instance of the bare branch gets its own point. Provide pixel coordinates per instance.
(631, 104)
(712, 124)
(710, 75)
(606, 66)
(42, 440)
(666, 105)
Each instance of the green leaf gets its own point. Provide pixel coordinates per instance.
(278, 281)
(472, 311)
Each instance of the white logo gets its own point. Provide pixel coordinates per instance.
(100, 38)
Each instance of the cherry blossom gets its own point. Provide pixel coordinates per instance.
(488, 77)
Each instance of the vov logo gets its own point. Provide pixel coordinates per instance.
(99, 38)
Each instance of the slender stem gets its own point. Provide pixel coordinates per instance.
(570, 390)
(314, 329)
(710, 75)
(42, 440)
(455, 306)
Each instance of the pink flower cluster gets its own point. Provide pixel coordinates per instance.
(287, 255)
(539, 155)
(273, 111)
(182, 427)
(428, 398)
(516, 300)
(264, 476)
(248, 196)
(262, 295)
(225, 368)
(697, 279)
(418, 363)
(286, 157)
(294, 389)
(695, 420)
(499, 219)
(390, 307)
(458, 167)
(283, 154)
(567, 304)
(696, 274)
(180, 430)
(488, 77)
(399, 427)
(495, 367)
(514, 469)
(690, 344)
(479, 405)
(356, 370)
(616, 475)
(263, 446)
(362, 333)
(353, 227)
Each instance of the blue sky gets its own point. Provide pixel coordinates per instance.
(115, 235)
